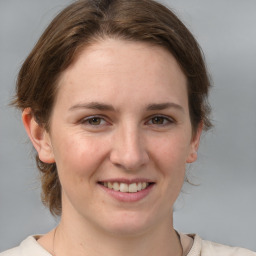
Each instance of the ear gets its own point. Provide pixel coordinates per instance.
(192, 157)
(39, 137)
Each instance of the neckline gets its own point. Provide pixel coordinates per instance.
(187, 242)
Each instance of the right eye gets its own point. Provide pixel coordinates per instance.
(94, 121)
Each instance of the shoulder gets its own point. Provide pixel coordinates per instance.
(12, 252)
(206, 248)
(29, 247)
(211, 248)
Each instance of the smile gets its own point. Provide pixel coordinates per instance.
(126, 188)
(128, 191)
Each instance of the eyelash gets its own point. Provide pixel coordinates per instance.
(166, 121)
(87, 120)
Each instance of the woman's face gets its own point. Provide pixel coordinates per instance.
(121, 122)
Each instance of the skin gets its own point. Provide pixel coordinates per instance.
(127, 140)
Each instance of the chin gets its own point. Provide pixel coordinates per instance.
(128, 224)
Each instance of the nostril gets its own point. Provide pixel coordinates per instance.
(129, 161)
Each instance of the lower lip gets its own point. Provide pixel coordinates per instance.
(128, 197)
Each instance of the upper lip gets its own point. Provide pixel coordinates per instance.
(127, 181)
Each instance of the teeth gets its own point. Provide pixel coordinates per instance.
(125, 188)
(116, 186)
(109, 185)
(133, 188)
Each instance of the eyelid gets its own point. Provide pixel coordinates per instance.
(85, 120)
(167, 118)
(88, 118)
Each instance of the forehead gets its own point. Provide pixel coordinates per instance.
(116, 67)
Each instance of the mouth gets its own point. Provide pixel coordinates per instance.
(124, 187)
(127, 190)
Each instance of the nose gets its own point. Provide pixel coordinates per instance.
(128, 149)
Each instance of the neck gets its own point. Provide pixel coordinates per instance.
(82, 238)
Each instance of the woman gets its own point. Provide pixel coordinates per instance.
(114, 100)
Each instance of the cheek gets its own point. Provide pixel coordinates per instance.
(171, 150)
(170, 159)
(77, 156)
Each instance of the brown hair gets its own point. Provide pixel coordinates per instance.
(83, 23)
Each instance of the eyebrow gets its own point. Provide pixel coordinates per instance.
(162, 106)
(93, 105)
(107, 107)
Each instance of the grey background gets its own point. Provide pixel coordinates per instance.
(223, 207)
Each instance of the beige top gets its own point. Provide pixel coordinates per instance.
(198, 247)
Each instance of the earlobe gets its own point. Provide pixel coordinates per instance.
(39, 137)
(192, 157)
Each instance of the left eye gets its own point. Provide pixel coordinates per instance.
(160, 120)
